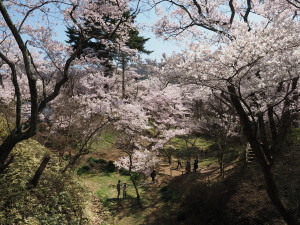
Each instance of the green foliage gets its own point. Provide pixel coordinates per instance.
(136, 176)
(106, 140)
(95, 165)
(83, 169)
(92, 160)
(293, 137)
(135, 41)
(189, 147)
(123, 172)
(110, 167)
(58, 198)
(3, 130)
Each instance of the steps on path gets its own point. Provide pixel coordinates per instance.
(250, 154)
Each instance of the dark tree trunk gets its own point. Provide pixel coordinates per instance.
(136, 189)
(9, 161)
(72, 162)
(9, 143)
(221, 162)
(133, 181)
(5, 150)
(35, 179)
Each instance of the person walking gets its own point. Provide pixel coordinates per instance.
(153, 175)
(119, 188)
(179, 163)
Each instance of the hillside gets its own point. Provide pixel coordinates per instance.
(57, 199)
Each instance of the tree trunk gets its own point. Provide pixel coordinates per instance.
(72, 162)
(9, 143)
(136, 189)
(133, 181)
(123, 76)
(9, 161)
(35, 179)
(221, 162)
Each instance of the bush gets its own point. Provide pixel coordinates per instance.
(293, 137)
(84, 169)
(58, 198)
(136, 176)
(123, 172)
(110, 167)
(100, 161)
(92, 160)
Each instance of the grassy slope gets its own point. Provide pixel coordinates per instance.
(58, 198)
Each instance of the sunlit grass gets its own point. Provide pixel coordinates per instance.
(181, 143)
(106, 184)
(124, 210)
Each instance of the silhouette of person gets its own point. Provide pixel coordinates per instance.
(153, 175)
(195, 165)
(179, 163)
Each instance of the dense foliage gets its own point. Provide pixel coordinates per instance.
(58, 199)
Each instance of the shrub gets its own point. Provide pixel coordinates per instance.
(110, 167)
(293, 137)
(58, 198)
(123, 172)
(84, 169)
(100, 161)
(92, 160)
(136, 176)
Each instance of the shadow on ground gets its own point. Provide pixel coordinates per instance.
(191, 199)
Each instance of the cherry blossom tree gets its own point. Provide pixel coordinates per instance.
(163, 115)
(35, 65)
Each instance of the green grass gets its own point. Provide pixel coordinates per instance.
(104, 143)
(207, 161)
(180, 143)
(106, 139)
(123, 211)
(106, 184)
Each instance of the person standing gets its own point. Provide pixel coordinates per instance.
(124, 190)
(153, 175)
(119, 188)
(195, 165)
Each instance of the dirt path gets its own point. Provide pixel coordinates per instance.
(171, 170)
(208, 172)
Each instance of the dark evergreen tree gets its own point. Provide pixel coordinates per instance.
(95, 47)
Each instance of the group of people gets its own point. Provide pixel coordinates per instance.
(124, 186)
(188, 165)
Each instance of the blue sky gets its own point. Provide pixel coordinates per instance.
(157, 45)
